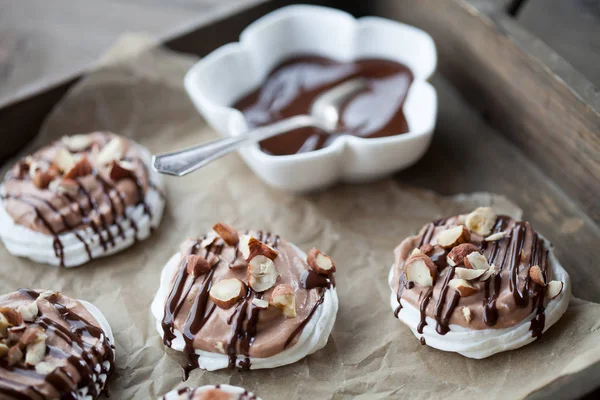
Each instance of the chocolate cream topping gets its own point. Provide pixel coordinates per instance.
(76, 349)
(243, 329)
(215, 393)
(291, 87)
(97, 198)
(501, 301)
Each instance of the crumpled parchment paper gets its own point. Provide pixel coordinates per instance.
(137, 91)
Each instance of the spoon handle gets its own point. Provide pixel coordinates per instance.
(182, 162)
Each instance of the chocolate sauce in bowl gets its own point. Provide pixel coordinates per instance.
(291, 87)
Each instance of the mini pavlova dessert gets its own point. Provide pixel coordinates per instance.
(247, 300)
(82, 197)
(478, 284)
(211, 392)
(52, 347)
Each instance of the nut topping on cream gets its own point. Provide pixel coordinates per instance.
(79, 183)
(458, 253)
(463, 287)
(112, 151)
(197, 265)
(77, 143)
(536, 275)
(284, 298)
(45, 333)
(554, 289)
(262, 273)
(320, 262)
(254, 302)
(258, 248)
(453, 237)
(227, 233)
(462, 270)
(469, 274)
(476, 261)
(481, 220)
(227, 292)
(420, 270)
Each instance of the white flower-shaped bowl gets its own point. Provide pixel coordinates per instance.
(233, 70)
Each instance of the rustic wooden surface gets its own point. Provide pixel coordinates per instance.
(45, 45)
(501, 167)
(571, 27)
(44, 42)
(467, 154)
(524, 88)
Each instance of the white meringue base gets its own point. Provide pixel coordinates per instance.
(82, 394)
(480, 344)
(39, 247)
(174, 395)
(314, 336)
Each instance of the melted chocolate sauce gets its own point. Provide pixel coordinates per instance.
(441, 260)
(174, 303)
(539, 257)
(404, 284)
(521, 297)
(300, 327)
(80, 358)
(492, 285)
(423, 309)
(291, 88)
(310, 280)
(440, 315)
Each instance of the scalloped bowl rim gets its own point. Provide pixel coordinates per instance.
(341, 142)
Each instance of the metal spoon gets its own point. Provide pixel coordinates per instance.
(324, 114)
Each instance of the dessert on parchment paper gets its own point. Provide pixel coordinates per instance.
(82, 197)
(52, 346)
(211, 392)
(478, 284)
(247, 300)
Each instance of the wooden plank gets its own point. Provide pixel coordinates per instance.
(40, 59)
(48, 42)
(571, 28)
(523, 87)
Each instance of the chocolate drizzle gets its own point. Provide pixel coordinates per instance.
(512, 255)
(492, 285)
(425, 238)
(244, 318)
(443, 316)
(89, 211)
(310, 280)
(539, 256)
(423, 308)
(90, 351)
(300, 327)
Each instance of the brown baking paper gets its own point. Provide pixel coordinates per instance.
(370, 354)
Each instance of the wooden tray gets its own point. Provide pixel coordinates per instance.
(514, 118)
